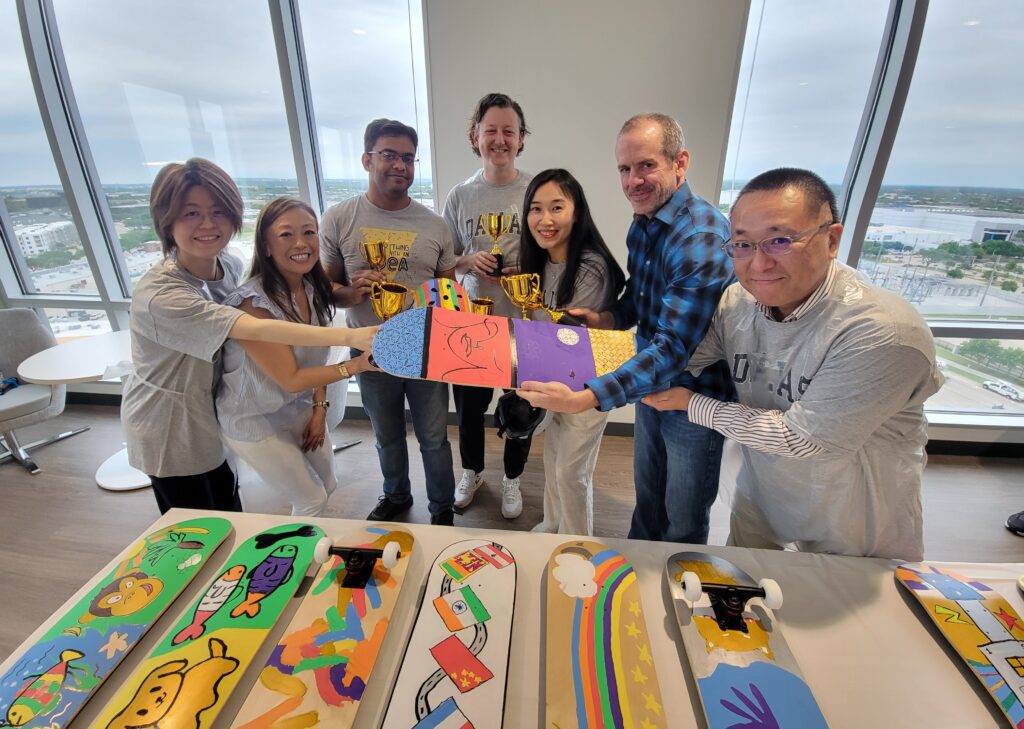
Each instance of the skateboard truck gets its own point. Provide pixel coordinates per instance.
(728, 601)
(359, 561)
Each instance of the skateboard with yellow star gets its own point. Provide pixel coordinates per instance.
(980, 625)
(745, 673)
(600, 672)
(456, 663)
(50, 682)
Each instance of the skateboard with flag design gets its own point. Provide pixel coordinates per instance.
(745, 673)
(317, 673)
(596, 635)
(980, 625)
(456, 663)
(50, 682)
(188, 677)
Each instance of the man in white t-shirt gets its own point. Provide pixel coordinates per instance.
(832, 374)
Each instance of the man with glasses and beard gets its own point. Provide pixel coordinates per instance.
(832, 374)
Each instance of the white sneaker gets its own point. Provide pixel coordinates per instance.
(511, 499)
(466, 487)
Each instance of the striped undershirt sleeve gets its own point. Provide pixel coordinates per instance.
(762, 430)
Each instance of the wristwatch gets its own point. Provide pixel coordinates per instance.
(343, 370)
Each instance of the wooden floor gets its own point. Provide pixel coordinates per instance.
(58, 528)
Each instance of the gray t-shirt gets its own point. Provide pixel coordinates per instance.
(593, 285)
(419, 245)
(851, 376)
(462, 210)
(178, 327)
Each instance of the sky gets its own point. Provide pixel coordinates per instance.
(167, 84)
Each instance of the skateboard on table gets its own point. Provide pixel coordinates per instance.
(189, 676)
(745, 673)
(320, 668)
(495, 351)
(980, 625)
(50, 682)
(599, 670)
(456, 663)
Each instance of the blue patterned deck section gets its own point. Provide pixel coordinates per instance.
(398, 344)
(759, 695)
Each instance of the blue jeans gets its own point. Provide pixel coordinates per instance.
(675, 470)
(384, 399)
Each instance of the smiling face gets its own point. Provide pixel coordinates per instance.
(498, 138)
(201, 230)
(293, 243)
(783, 282)
(550, 218)
(648, 177)
(391, 180)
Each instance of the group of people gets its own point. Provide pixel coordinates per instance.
(750, 330)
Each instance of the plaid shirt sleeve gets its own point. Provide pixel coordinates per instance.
(624, 310)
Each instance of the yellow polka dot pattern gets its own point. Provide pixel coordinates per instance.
(611, 349)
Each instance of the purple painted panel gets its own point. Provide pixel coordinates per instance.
(548, 352)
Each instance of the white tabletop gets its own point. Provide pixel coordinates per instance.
(81, 360)
(868, 653)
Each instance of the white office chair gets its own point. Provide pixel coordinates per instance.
(23, 334)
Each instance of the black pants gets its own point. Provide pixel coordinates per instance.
(471, 404)
(216, 489)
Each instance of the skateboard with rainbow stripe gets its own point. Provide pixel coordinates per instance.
(456, 663)
(51, 681)
(980, 625)
(317, 673)
(189, 676)
(745, 673)
(597, 637)
(494, 351)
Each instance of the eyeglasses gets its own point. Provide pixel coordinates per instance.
(778, 245)
(390, 157)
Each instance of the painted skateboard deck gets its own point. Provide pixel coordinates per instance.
(495, 351)
(317, 673)
(744, 670)
(455, 666)
(189, 676)
(444, 293)
(980, 625)
(53, 679)
(597, 637)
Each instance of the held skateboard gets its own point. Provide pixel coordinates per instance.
(456, 663)
(320, 668)
(596, 636)
(189, 676)
(495, 351)
(53, 679)
(980, 626)
(744, 671)
(444, 293)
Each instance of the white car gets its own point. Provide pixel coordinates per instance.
(1004, 389)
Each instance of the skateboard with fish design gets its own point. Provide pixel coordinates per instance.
(320, 668)
(189, 676)
(50, 681)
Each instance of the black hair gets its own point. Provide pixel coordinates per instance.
(815, 189)
(387, 128)
(584, 236)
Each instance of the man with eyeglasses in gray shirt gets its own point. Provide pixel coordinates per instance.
(832, 374)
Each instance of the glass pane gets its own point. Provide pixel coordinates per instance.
(365, 61)
(804, 80)
(947, 231)
(214, 92)
(68, 324)
(46, 246)
(982, 375)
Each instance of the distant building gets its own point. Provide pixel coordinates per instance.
(928, 227)
(41, 237)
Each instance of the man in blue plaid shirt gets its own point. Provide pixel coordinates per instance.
(677, 273)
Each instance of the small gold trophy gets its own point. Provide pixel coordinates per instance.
(496, 225)
(375, 253)
(523, 289)
(482, 305)
(387, 298)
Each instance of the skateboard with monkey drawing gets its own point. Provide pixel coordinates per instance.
(320, 668)
(463, 348)
(189, 676)
(49, 683)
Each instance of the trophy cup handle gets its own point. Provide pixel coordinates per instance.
(376, 299)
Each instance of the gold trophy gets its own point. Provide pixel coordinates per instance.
(523, 289)
(496, 225)
(375, 253)
(388, 298)
(482, 305)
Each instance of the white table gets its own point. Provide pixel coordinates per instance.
(870, 655)
(88, 359)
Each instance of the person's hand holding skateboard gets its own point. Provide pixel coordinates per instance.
(593, 319)
(557, 397)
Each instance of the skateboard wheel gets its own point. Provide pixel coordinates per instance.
(391, 554)
(772, 593)
(322, 551)
(692, 589)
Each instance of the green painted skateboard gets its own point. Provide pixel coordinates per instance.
(189, 676)
(51, 681)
